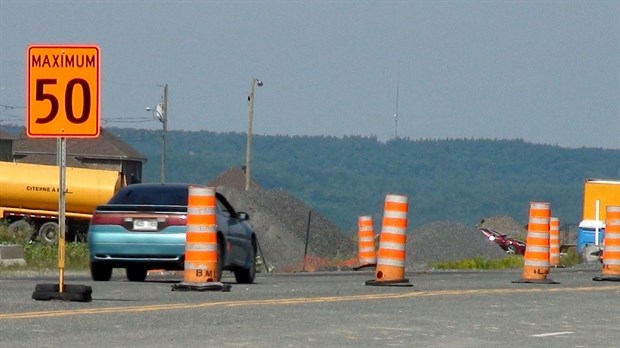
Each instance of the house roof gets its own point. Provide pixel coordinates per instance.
(106, 146)
(233, 177)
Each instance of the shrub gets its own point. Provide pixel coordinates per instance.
(508, 262)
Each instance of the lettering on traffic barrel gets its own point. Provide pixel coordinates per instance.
(205, 273)
(63, 91)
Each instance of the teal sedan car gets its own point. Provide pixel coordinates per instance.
(142, 227)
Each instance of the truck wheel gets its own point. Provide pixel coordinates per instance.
(48, 233)
(22, 230)
(100, 273)
(136, 274)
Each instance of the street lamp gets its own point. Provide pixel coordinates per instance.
(160, 113)
(253, 82)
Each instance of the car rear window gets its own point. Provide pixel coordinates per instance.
(151, 195)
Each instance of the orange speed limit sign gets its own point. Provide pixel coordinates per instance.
(63, 91)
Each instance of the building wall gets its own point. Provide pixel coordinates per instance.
(6, 150)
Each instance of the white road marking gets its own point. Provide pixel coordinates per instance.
(553, 334)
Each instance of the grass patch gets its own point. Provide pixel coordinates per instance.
(508, 262)
(571, 258)
(43, 257)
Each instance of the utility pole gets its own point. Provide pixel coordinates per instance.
(397, 92)
(248, 156)
(164, 120)
(160, 113)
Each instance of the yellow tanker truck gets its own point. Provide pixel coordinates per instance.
(29, 195)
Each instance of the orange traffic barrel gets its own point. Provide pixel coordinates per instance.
(366, 254)
(611, 250)
(554, 242)
(390, 269)
(201, 248)
(536, 258)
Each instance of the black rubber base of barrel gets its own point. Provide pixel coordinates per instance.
(536, 281)
(364, 266)
(607, 278)
(209, 286)
(400, 282)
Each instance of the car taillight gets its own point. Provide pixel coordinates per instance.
(176, 220)
(107, 219)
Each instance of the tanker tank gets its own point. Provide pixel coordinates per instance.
(34, 186)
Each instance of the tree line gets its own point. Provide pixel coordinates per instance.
(462, 180)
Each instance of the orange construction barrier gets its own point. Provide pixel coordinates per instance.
(366, 255)
(201, 249)
(391, 255)
(536, 258)
(611, 250)
(554, 242)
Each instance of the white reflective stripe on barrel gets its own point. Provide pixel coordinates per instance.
(390, 262)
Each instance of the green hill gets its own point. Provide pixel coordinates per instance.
(462, 180)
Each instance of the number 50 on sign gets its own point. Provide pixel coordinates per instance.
(63, 91)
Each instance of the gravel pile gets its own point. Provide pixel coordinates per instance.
(505, 225)
(447, 241)
(281, 223)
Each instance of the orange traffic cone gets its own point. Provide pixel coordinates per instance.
(366, 255)
(611, 251)
(536, 258)
(391, 255)
(554, 242)
(202, 269)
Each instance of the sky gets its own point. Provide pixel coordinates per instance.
(547, 72)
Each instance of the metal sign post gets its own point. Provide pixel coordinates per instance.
(62, 156)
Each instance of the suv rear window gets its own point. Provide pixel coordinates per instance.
(152, 195)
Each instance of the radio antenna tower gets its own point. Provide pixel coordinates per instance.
(397, 92)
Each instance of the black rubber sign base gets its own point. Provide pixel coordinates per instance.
(50, 292)
(208, 286)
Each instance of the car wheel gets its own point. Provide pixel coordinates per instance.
(136, 274)
(99, 272)
(247, 275)
(511, 250)
(220, 258)
(48, 233)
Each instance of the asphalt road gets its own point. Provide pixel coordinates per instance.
(442, 309)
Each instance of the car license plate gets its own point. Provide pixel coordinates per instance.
(145, 225)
